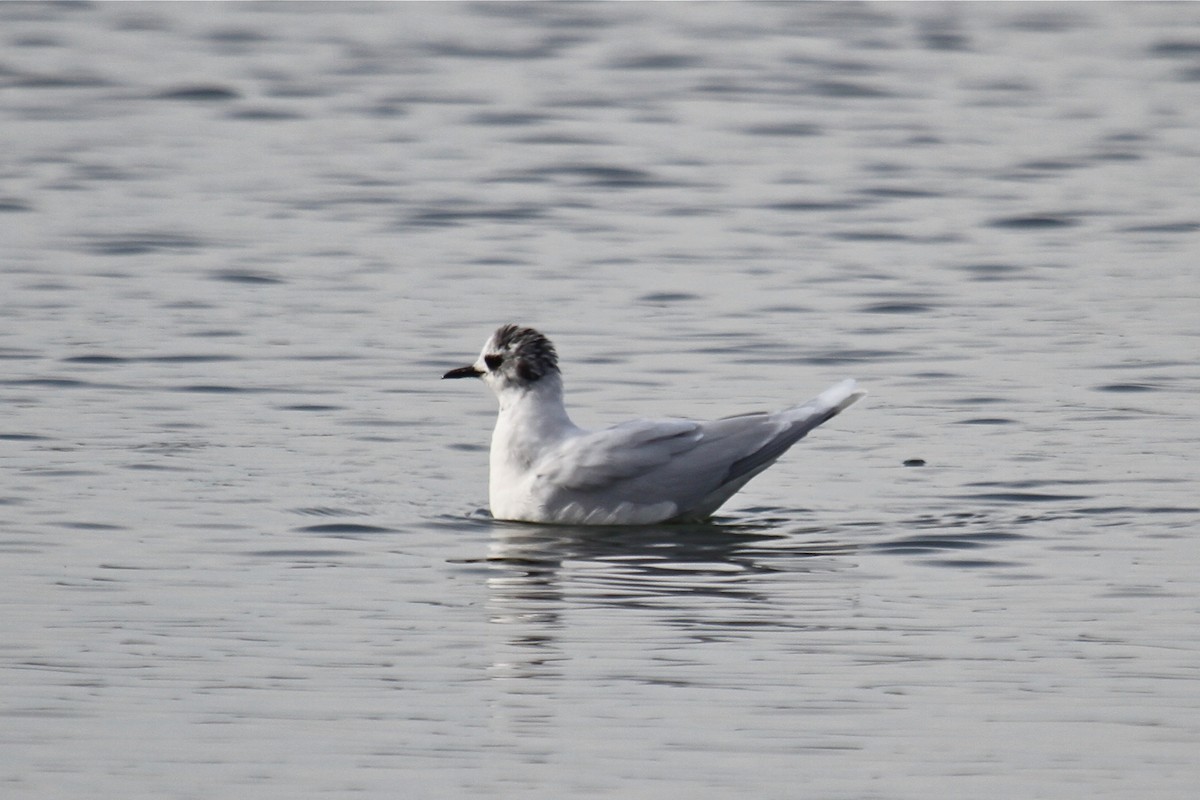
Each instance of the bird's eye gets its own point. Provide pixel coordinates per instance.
(493, 362)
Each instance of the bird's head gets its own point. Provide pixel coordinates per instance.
(514, 357)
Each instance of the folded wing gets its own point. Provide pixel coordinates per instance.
(696, 466)
(598, 459)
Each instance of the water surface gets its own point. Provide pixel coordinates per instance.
(244, 542)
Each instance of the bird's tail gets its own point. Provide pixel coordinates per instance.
(840, 397)
(825, 406)
(797, 422)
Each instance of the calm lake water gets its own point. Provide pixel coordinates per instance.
(244, 547)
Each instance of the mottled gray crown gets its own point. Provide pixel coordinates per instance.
(524, 355)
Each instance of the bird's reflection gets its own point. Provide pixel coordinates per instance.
(540, 574)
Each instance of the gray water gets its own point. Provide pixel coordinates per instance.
(245, 547)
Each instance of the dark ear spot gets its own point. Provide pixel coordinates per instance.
(526, 371)
(493, 362)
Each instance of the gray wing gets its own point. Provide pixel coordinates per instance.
(599, 459)
(690, 464)
(795, 424)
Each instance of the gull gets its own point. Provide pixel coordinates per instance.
(544, 468)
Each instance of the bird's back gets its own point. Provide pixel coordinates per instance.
(649, 471)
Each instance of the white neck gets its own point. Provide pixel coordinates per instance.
(532, 419)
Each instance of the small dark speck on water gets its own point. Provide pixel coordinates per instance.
(914, 462)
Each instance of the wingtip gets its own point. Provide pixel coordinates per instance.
(843, 395)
